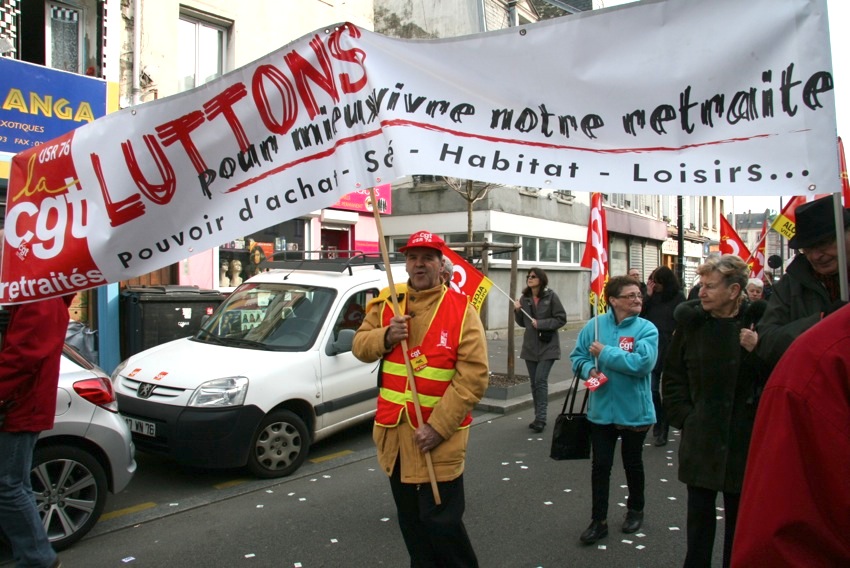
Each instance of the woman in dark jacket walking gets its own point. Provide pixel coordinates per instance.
(663, 295)
(710, 387)
(541, 313)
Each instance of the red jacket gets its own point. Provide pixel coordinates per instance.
(29, 363)
(795, 504)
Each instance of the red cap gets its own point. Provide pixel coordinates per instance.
(424, 239)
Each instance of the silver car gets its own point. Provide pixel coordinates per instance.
(88, 453)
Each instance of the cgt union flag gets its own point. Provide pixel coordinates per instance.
(467, 280)
(730, 242)
(759, 263)
(596, 253)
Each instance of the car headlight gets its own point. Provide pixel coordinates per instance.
(229, 391)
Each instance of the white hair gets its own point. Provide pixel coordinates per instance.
(757, 282)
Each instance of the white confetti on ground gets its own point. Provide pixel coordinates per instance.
(128, 559)
(385, 519)
(334, 541)
(290, 494)
(260, 506)
(524, 467)
(269, 491)
(302, 498)
(672, 498)
(663, 480)
(674, 528)
(623, 486)
(506, 479)
(252, 555)
(297, 565)
(567, 490)
(640, 547)
(174, 504)
(506, 463)
(719, 518)
(547, 502)
(640, 535)
(602, 547)
(627, 541)
(326, 476)
(621, 504)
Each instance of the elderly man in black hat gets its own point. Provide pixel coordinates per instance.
(809, 290)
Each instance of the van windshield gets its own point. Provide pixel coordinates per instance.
(285, 317)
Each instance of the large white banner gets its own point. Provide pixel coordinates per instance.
(678, 97)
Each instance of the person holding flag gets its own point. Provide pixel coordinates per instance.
(447, 353)
(541, 313)
(809, 290)
(618, 349)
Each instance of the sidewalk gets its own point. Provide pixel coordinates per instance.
(519, 397)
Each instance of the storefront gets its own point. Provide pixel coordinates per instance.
(347, 226)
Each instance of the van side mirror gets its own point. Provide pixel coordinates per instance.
(343, 342)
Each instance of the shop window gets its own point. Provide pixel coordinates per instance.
(202, 47)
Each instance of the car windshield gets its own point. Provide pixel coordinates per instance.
(285, 317)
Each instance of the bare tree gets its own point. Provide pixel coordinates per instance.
(471, 191)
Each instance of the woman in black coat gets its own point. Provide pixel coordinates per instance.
(541, 313)
(710, 387)
(663, 295)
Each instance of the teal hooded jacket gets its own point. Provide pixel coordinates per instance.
(631, 348)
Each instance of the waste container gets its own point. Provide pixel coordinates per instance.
(152, 315)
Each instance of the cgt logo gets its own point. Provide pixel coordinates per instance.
(627, 344)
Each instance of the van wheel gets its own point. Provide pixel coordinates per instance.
(280, 445)
(70, 488)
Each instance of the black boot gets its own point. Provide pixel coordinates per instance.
(594, 532)
(661, 437)
(633, 521)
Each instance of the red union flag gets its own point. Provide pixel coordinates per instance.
(759, 263)
(730, 242)
(596, 253)
(467, 280)
(842, 166)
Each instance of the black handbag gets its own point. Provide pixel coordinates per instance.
(571, 435)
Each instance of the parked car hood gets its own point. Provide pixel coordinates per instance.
(186, 364)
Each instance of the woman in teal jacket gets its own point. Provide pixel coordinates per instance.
(623, 347)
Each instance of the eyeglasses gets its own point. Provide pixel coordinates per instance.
(530, 276)
(631, 297)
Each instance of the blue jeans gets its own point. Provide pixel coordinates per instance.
(538, 377)
(19, 518)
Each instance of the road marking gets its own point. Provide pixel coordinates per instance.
(331, 456)
(229, 484)
(127, 511)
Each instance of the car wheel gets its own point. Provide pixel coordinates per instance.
(279, 446)
(70, 491)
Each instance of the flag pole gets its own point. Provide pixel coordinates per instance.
(840, 241)
(511, 299)
(411, 382)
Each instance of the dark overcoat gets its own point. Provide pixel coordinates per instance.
(551, 316)
(710, 388)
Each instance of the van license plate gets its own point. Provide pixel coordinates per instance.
(141, 427)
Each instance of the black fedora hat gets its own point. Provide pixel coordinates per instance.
(816, 223)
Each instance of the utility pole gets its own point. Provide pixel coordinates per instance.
(680, 261)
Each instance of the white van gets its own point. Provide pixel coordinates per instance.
(268, 374)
